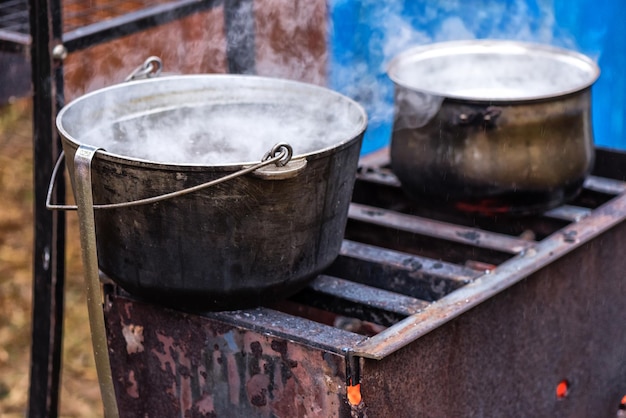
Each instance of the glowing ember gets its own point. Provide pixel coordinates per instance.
(484, 206)
(561, 389)
(354, 394)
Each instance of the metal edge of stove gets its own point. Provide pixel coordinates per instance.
(585, 225)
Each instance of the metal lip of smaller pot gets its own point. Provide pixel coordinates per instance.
(244, 81)
(471, 71)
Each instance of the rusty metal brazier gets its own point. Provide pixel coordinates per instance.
(246, 241)
(492, 126)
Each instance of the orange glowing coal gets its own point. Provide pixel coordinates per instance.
(561, 389)
(354, 394)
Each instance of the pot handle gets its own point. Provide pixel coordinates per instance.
(284, 167)
(486, 117)
(151, 67)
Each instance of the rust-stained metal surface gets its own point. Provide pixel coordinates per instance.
(434, 314)
(509, 353)
(169, 364)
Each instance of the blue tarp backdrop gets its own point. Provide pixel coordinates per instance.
(365, 34)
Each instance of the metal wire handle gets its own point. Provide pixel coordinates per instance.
(280, 155)
(151, 67)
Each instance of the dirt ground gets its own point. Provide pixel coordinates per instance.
(80, 395)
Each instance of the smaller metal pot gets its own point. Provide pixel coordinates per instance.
(492, 126)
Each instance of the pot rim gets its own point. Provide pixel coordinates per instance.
(350, 138)
(419, 53)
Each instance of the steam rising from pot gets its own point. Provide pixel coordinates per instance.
(211, 120)
(221, 133)
(359, 64)
(294, 39)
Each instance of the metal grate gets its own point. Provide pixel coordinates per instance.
(400, 257)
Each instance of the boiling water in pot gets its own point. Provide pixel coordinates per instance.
(216, 134)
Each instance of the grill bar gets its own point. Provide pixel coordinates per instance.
(402, 261)
(568, 213)
(419, 277)
(436, 229)
(359, 301)
(289, 326)
(605, 185)
(379, 175)
(367, 295)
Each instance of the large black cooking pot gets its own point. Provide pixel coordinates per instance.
(246, 241)
(492, 126)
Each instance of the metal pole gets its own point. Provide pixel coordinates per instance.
(240, 36)
(49, 233)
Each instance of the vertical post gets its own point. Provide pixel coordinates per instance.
(49, 233)
(240, 47)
